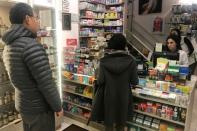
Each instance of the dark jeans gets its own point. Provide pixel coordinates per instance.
(41, 122)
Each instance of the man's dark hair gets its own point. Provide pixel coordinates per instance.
(117, 42)
(18, 13)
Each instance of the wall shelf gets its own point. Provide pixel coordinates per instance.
(155, 116)
(72, 103)
(141, 126)
(157, 100)
(66, 90)
(73, 81)
(117, 4)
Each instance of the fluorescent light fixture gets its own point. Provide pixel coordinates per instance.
(59, 43)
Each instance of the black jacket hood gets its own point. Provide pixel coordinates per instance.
(16, 31)
(117, 62)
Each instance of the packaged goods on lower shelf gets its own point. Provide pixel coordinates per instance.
(178, 99)
(162, 110)
(72, 109)
(114, 2)
(153, 123)
(77, 100)
(113, 23)
(86, 91)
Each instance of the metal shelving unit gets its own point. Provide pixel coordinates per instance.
(78, 94)
(155, 116)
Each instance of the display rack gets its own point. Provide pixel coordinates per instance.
(183, 17)
(9, 117)
(98, 20)
(145, 97)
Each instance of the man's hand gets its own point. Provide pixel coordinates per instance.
(60, 113)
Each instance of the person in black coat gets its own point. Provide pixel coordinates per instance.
(36, 94)
(117, 72)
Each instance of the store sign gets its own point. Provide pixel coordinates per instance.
(71, 42)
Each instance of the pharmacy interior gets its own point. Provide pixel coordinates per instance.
(75, 33)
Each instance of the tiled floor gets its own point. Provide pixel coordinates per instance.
(68, 121)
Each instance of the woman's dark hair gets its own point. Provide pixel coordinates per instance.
(117, 42)
(177, 41)
(186, 40)
(18, 13)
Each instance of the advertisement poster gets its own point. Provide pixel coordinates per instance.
(71, 42)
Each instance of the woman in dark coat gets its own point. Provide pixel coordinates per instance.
(117, 72)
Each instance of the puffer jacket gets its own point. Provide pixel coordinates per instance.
(28, 68)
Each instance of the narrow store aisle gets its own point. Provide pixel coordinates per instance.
(68, 121)
(193, 126)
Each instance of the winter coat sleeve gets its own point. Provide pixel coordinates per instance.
(101, 76)
(37, 62)
(134, 76)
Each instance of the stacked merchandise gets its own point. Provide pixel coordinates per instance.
(79, 76)
(7, 96)
(183, 17)
(154, 124)
(98, 18)
(165, 95)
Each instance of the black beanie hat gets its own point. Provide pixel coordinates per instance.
(117, 42)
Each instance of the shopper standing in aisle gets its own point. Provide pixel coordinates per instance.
(27, 64)
(113, 98)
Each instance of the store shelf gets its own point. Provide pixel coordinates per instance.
(83, 107)
(66, 90)
(110, 11)
(96, 11)
(87, 36)
(112, 25)
(164, 119)
(84, 17)
(75, 115)
(112, 18)
(141, 126)
(159, 100)
(73, 81)
(11, 123)
(91, 26)
(112, 32)
(92, 2)
(5, 83)
(117, 4)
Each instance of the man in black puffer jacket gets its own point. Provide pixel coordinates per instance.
(27, 64)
